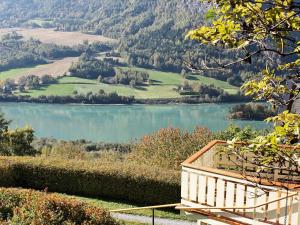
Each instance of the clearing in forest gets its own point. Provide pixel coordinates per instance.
(57, 37)
(56, 69)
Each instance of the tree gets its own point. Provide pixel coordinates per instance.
(132, 83)
(100, 79)
(168, 147)
(267, 29)
(19, 142)
(15, 142)
(183, 73)
(47, 79)
(91, 68)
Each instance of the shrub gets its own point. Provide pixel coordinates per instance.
(242, 134)
(70, 150)
(47, 145)
(251, 112)
(22, 207)
(66, 150)
(121, 181)
(169, 147)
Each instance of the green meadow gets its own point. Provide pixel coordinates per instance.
(39, 21)
(162, 85)
(13, 73)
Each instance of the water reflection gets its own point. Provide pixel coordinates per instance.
(116, 123)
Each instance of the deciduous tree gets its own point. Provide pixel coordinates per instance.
(268, 29)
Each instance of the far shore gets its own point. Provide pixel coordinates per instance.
(121, 100)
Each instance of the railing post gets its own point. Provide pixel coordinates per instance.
(153, 215)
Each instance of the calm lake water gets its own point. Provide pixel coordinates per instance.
(116, 123)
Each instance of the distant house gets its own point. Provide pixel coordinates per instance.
(7, 89)
(216, 192)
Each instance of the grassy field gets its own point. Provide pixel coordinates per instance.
(176, 79)
(162, 86)
(57, 37)
(133, 223)
(14, 73)
(113, 205)
(39, 21)
(56, 69)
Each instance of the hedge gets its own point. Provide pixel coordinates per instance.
(119, 181)
(20, 207)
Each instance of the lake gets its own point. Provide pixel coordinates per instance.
(116, 123)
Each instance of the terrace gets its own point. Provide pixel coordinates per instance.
(220, 190)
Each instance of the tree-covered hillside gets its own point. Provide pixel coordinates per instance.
(151, 32)
(112, 18)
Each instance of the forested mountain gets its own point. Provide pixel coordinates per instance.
(151, 32)
(111, 18)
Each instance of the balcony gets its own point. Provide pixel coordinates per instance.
(218, 191)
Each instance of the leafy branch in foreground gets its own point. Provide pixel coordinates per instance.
(269, 29)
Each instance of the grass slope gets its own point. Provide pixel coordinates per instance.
(13, 73)
(39, 21)
(113, 205)
(57, 37)
(133, 223)
(65, 86)
(56, 68)
(162, 86)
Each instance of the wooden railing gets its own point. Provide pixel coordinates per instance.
(211, 157)
(201, 189)
(211, 182)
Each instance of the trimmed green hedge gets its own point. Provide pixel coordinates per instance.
(21, 207)
(121, 181)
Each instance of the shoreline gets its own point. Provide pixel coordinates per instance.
(133, 104)
(118, 100)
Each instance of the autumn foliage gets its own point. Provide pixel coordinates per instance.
(169, 147)
(120, 180)
(22, 207)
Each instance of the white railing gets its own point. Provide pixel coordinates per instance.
(238, 199)
(207, 188)
(213, 158)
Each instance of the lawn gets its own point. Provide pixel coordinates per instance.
(133, 223)
(163, 84)
(175, 79)
(113, 205)
(13, 73)
(65, 86)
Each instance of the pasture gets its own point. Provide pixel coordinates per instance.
(39, 21)
(168, 78)
(56, 69)
(57, 37)
(162, 86)
(13, 73)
